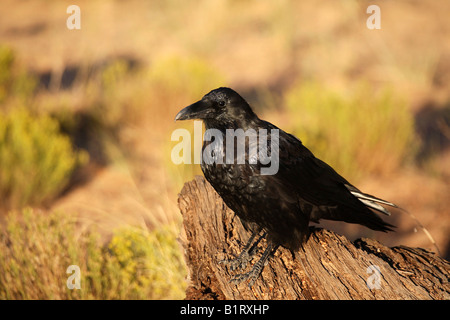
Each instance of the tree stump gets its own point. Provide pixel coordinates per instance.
(328, 266)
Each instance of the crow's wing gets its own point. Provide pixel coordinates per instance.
(321, 190)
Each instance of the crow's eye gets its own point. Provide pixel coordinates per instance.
(221, 103)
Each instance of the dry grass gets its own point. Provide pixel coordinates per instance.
(36, 250)
(362, 133)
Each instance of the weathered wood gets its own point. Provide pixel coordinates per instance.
(327, 267)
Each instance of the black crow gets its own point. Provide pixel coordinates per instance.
(296, 187)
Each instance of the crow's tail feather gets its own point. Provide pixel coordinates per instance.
(371, 201)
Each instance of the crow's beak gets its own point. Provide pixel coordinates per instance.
(195, 111)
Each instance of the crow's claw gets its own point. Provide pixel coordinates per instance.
(252, 275)
(237, 263)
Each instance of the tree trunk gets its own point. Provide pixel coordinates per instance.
(327, 267)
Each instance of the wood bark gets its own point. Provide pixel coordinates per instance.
(328, 266)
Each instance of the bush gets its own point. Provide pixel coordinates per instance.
(367, 131)
(37, 249)
(36, 160)
(15, 84)
(146, 265)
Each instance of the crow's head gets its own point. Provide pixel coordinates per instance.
(222, 106)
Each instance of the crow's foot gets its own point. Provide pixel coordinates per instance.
(240, 262)
(252, 275)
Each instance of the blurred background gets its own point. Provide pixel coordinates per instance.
(86, 118)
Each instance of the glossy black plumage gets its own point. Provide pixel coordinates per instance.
(281, 205)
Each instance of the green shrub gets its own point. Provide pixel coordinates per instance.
(36, 249)
(36, 160)
(15, 83)
(6, 62)
(367, 131)
(113, 107)
(150, 265)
